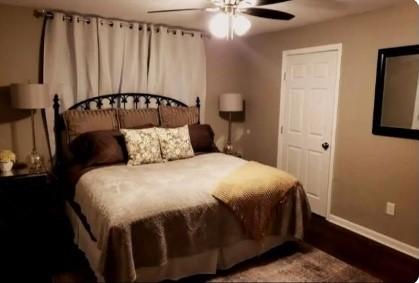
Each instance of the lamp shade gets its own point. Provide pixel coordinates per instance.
(30, 96)
(231, 102)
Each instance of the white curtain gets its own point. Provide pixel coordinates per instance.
(86, 58)
(123, 55)
(70, 59)
(178, 66)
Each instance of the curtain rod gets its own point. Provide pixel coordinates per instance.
(86, 18)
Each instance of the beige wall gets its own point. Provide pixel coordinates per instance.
(225, 73)
(19, 52)
(400, 86)
(369, 170)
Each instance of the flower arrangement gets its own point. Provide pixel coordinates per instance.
(7, 156)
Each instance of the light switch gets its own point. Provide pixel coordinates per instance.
(390, 208)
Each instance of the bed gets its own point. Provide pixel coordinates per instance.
(161, 221)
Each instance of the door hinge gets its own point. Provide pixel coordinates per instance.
(282, 129)
(285, 76)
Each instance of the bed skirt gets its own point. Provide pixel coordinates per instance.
(204, 263)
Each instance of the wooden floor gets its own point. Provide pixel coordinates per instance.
(70, 265)
(369, 256)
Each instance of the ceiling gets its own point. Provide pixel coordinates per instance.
(306, 11)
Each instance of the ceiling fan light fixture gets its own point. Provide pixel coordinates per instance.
(219, 25)
(241, 25)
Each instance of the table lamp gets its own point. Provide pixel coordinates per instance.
(31, 96)
(230, 102)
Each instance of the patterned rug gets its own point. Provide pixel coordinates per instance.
(292, 262)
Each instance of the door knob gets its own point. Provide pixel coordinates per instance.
(325, 145)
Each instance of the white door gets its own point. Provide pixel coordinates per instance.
(307, 122)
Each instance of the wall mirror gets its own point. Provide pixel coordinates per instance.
(396, 107)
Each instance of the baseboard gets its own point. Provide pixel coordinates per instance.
(373, 235)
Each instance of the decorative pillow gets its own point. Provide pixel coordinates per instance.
(175, 143)
(81, 121)
(135, 118)
(99, 148)
(142, 145)
(172, 117)
(202, 138)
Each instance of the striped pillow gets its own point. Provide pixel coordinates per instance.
(172, 117)
(136, 118)
(81, 121)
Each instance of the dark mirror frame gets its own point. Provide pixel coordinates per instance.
(377, 128)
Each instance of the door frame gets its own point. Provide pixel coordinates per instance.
(415, 118)
(316, 49)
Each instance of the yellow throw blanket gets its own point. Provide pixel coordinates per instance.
(252, 192)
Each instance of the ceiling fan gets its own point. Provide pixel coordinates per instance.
(230, 19)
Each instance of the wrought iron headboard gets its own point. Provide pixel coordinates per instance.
(115, 101)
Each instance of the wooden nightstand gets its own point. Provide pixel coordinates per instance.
(30, 210)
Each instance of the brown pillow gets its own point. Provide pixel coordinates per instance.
(202, 138)
(173, 117)
(81, 121)
(134, 118)
(99, 148)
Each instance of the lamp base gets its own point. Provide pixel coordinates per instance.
(35, 162)
(228, 148)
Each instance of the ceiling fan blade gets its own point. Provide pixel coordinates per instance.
(267, 13)
(177, 10)
(266, 2)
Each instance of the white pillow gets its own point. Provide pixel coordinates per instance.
(142, 145)
(175, 143)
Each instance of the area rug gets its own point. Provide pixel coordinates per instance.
(292, 262)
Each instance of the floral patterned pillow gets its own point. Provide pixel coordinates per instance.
(142, 145)
(175, 143)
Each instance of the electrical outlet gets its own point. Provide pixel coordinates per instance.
(390, 208)
(248, 131)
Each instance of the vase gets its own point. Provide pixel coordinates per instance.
(6, 166)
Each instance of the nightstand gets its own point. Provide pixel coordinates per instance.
(29, 213)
